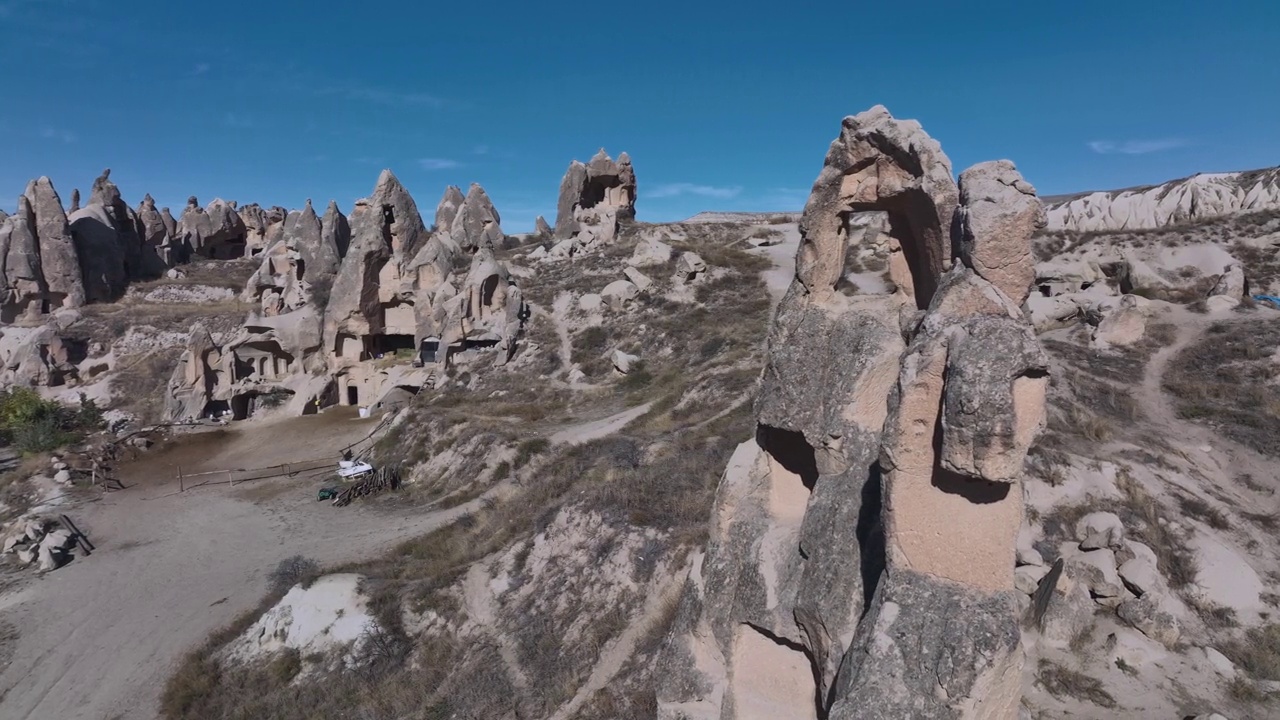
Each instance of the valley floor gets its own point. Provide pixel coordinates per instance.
(97, 638)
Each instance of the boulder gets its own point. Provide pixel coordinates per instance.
(62, 476)
(999, 211)
(1220, 303)
(1051, 313)
(1140, 576)
(619, 293)
(1097, 570)
(1148, 616)
(1137, 277)
(1026, 578)
(1231, 284)
(637, 278)
(1124, 325)
(690, 266)
(590, 303)
(624, 362)
(649, 253)
(1100, 530)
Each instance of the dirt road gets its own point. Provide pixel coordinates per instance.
(99, 637)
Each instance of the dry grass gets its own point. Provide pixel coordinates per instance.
(1145, 520)
(1227, 381)
(659, 477)
(1257, 652)
(1064, 682)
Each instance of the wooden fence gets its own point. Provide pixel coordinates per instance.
(187, 481)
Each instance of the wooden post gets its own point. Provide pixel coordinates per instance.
(180, 485)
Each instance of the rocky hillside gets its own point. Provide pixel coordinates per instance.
(932, 449)
(1178, 202)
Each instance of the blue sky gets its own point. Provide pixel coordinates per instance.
(725, 106)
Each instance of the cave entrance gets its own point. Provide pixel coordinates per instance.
(353, 395)
(242, 406)
(380, 345)
(215, 409)
(429, 352)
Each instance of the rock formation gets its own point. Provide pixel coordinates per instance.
(477, 224)
(1198, 197)
(816, 598)
(335, 231)
(157, 232)
(384, 300)
(109, 243)
(292, 267)
(593, 198)
(541, 228)
(59, 261)
(215, 232)
(22, 280)
(448, 208)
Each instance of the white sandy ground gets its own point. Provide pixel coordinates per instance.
(783, 255)
(99, 637)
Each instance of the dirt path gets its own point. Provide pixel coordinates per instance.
(615, 655)
(100, 636)
(783, 256)
(1151, 395)
(479, 604)
(597, 429)
(1202, 446)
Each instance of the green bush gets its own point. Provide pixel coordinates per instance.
(33, 425)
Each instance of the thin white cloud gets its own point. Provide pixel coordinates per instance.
(684, 188)
(233, 120)
(200, 69)
(1135, 147)
(438, 164)
(480, 150)
(52, 133)
(369, 160)
(383, 96)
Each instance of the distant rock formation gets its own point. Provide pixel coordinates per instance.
(836, 581)
(477, 224)
(1176, 202)
(59, 260)
(291, 267)
(109, 242)
(215, 232)
(594, 197)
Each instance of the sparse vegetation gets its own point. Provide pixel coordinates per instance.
(1257, 652)
(1203, 511)
(296, 570)
(33, 425)
(1144, 520)
(1064, 682)
(1227, 380)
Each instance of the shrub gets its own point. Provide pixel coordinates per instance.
(296, 570)
(33, 424)
(527, 449)
(1063, 682)
(1258, 652)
